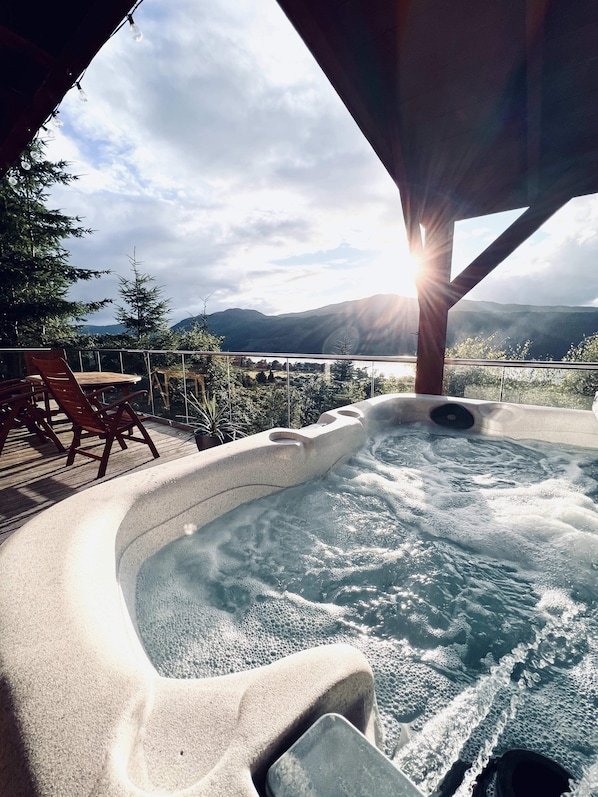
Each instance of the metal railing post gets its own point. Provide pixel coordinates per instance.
(185, 387)
(288, 394)
(148, 367)
(230, 393)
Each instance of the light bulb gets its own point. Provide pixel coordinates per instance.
(56, 122)
(25, 165)
(135, 32)
(12, 179)
(82, 94)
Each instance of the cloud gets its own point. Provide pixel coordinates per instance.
(218, 150)
(553, 267)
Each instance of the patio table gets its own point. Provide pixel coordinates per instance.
(96, 380)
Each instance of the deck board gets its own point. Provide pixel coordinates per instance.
(33, 475)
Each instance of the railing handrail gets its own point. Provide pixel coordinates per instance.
(561, 365)
(401, 358)
(398, 358)
(374, 358)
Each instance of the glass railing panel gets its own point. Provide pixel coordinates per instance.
(262, 391)
(571, 389)
(473, 381)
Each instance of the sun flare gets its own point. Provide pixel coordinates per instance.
(390, 272)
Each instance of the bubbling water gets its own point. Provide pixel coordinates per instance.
(465, 568)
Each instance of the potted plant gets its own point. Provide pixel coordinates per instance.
(211, 422)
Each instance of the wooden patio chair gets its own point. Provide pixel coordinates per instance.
(91, 418)
(32, 370)
(19, 409)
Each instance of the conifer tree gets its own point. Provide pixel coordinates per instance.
(35, 272)
(342, 370)
(144, 313)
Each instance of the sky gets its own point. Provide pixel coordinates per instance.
(217, 154)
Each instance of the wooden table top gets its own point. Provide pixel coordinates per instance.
(97, 379)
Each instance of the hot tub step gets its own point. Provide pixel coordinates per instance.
(334, 758)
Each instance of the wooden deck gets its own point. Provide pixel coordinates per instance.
(33, 476)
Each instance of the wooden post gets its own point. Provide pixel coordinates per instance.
(434, 303)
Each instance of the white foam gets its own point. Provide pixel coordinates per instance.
(439, 558)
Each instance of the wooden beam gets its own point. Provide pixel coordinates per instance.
(432, 290)
(12, 41)
(535, 15)
(525, 225)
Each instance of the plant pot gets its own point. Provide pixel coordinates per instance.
(205, 441)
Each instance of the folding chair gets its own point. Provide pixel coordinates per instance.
(89, 416)
(32, 370)
(18, 409)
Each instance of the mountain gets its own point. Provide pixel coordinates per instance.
(96, 329)
(387, 325)
(378, 325)
(551, 329)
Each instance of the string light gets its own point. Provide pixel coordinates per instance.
(53, 121)
(82, 94)
(135, 32)
(48, 133)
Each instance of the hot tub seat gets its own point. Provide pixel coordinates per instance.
(83, 710)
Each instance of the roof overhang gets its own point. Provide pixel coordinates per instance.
(473, 107)
(44, 48)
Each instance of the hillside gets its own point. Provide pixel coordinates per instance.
(387, 325)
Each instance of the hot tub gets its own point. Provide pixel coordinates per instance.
(83, 709)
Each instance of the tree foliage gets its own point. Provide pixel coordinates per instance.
(585, 351)
(458, 379)
(583, 382)
(480, 347)
(200, 339)
(316, 396)
(144, 312)
(270, 407)
(342, 370)
(36, 274)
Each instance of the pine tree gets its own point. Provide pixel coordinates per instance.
(35, 273)
(144, 314)
(342, 370)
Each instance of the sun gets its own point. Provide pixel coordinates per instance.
(391, 271)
